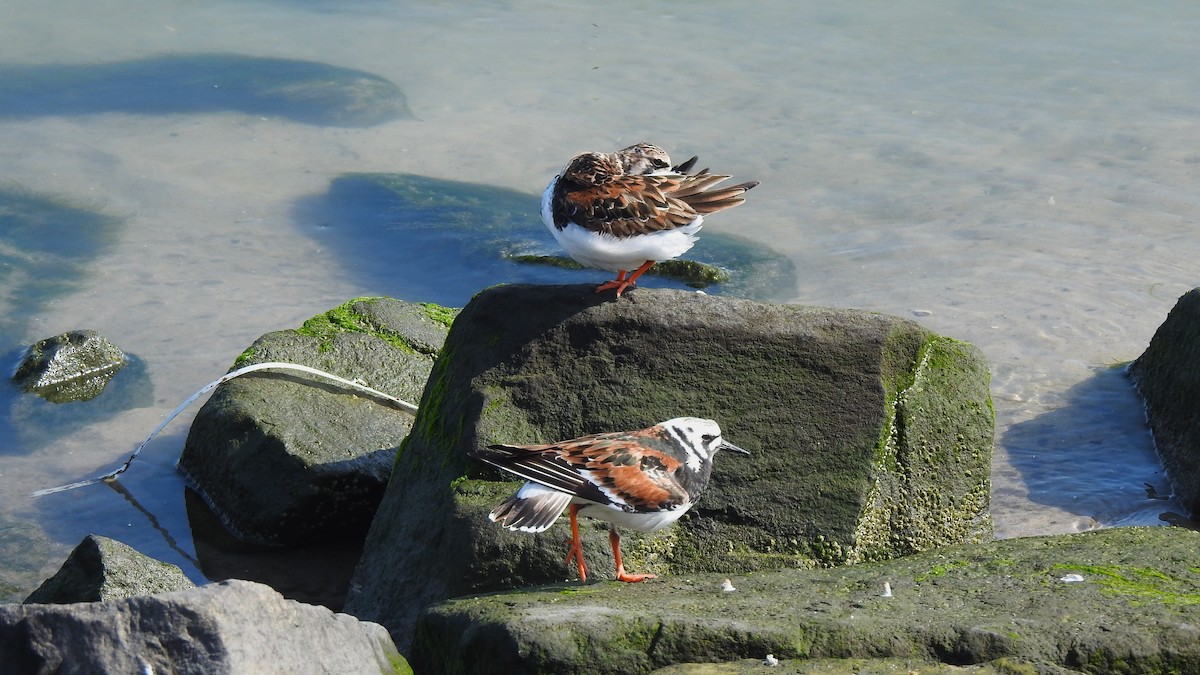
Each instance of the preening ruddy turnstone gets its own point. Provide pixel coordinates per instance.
(629, 209)
(644, 480)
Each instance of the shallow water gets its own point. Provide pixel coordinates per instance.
(1020, 176)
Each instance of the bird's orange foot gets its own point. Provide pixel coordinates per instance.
(622, 575)
(619, 284)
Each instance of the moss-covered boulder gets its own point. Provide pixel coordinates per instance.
(1113, 601)
(284, 457)
(1168, 377)
(102, 569)
(871, 438)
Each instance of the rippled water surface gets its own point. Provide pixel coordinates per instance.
(1021, 176)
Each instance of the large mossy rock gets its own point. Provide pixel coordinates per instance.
(231, 627)
(871, 437)
(1134, 608)
(1167, 375)
(102, 569)
(284, 457)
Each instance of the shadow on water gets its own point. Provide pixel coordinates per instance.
(441, 241)
(46, 246)
(302, 91)
(1093, 456)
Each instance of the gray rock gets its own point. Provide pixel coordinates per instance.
(1004, 603)
(872, 438)
(284, 457)
(231, 627)
(102, 569)
(74, 366)
(1167, 375)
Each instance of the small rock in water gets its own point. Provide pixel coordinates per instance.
(74, 366)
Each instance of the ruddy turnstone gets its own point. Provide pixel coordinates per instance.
(644, 480)
(629, 209)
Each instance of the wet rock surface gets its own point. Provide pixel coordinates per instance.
(1167, 375)
(871, 438)
(74, 366)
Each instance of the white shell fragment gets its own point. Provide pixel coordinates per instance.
(727, 586)
(1071, 578)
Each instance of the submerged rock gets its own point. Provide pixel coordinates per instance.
(1009, 603)
(444, 240)
(102, 569)
(309, 92)
(231, 627)
(871, 437)
(1168, 377)
(285, 457)
(74, 366)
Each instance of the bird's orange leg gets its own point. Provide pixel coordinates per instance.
(575, 552)
(622, 282)
(622, 575)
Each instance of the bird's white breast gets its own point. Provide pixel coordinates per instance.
(614, 254)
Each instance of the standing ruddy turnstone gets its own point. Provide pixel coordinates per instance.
(644, 480)
(629, 209)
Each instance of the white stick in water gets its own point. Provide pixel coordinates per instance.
(278, 365)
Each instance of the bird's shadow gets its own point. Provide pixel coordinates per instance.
(1093, 456)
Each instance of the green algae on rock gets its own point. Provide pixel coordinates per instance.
(1007, 605)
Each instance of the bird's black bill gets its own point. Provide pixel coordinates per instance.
(726, 445)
